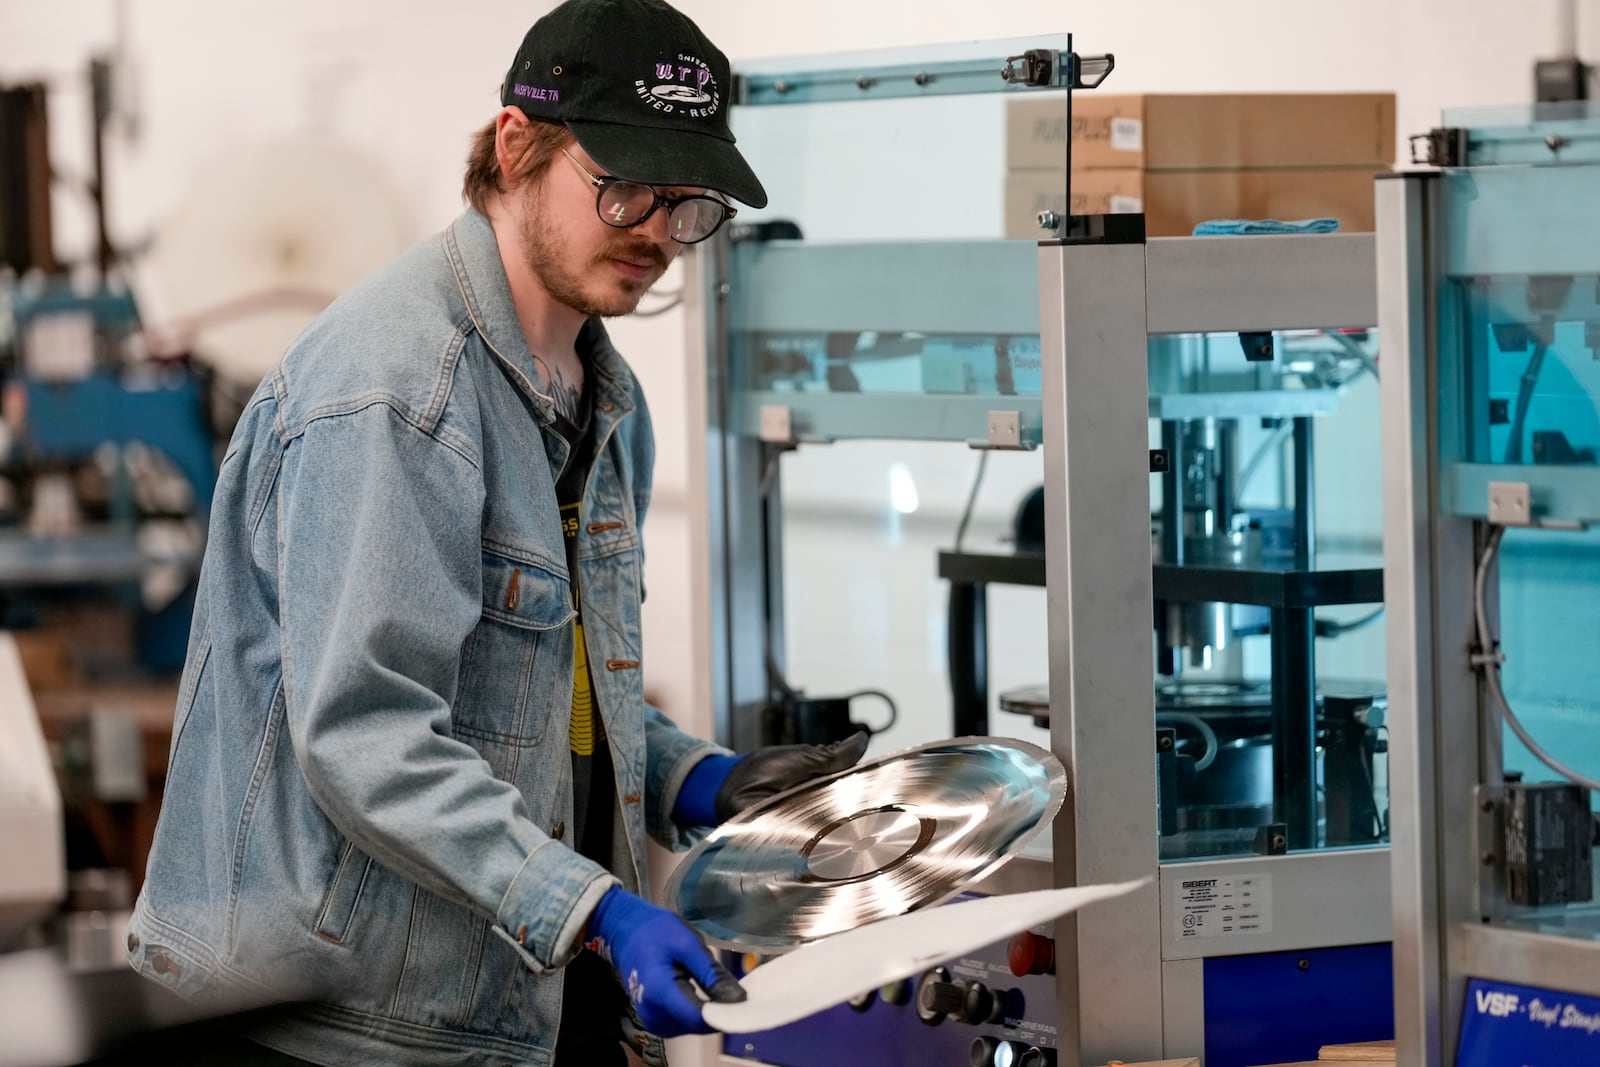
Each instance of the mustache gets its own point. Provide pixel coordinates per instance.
(638, 252)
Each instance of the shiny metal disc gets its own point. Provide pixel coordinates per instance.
(903, 832)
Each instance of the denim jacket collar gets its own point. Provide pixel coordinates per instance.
(474, 254)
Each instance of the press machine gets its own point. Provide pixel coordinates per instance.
(1488, 268)
(1131, 378)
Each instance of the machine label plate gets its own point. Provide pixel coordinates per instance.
(1505, 1025)
(1224, 907)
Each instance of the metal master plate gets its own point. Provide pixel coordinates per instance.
(903, 832)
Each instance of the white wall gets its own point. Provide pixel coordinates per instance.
(403, 82)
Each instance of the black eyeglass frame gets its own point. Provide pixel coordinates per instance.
(602, 182)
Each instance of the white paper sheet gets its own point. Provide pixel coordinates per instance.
(831, 971)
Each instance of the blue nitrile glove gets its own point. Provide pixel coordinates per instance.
(655, 953)
(720, 787)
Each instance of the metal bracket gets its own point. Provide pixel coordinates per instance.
(1047, 68)
(1271, 840)
(1257, 345)
(1487, 803)
(1036, 66)
(1510, 504)
(777, 425)
(1089, 71)
(1444, 146)
(1005, 431)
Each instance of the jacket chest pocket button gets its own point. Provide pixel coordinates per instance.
(162, 965)
(560, 831)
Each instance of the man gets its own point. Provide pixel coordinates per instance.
(412, 769)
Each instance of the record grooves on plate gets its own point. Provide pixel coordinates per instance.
(903, 832)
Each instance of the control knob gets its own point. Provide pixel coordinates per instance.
(938, 997)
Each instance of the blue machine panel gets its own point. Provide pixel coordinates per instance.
(1505, 1025)
(887, 1030)
(70, 420)
(1284, 1006)
(882, 1036)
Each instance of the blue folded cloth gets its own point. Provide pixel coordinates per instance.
(1232, 227)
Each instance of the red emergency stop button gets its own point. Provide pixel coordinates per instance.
(1029, 953)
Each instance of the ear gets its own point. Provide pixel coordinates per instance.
(511, 130)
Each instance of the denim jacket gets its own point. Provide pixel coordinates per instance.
(370, 781)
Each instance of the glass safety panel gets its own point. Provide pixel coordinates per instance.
(877, 313)
(878, 295)
(1560, 132)
(1549, 630)
(891, 341)
(1519, 331)
(1519, 404)
(1268, 628)
(1269, 642)
(867, 607)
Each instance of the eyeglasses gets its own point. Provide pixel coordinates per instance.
(624, 204)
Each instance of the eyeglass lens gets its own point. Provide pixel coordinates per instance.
(624, 203)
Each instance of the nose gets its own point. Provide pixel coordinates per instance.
(657, 228)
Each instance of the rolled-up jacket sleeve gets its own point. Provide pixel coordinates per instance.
(380, 584)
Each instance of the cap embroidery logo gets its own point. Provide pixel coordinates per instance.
(685, 87)
(534, 92)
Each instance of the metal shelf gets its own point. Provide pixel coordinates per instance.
(1560, 495)
(823, 417)
(972, 568)
(1267, 587)
(961, 287)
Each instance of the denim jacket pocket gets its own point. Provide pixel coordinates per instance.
(339, 906)
(521, 647)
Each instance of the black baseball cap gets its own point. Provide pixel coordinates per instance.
(641, 88)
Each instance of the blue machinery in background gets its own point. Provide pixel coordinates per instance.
(81, 399)
(67, 415)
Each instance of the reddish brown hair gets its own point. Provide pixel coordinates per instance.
(534, 151)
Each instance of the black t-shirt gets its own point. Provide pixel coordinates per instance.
(593, 1001)
(593, 810)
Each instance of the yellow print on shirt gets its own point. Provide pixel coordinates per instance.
(581, 723)
(580, 727)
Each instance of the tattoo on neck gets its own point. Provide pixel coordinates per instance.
(568, 398)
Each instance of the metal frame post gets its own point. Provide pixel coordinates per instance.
(1435, 746)
(1098, 595)
(737, 546)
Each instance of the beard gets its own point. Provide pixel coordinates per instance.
(587, 287)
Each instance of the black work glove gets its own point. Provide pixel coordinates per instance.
(769, 771)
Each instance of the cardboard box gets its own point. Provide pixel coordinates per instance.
(1193, 131)
(1096, 192)
(1173, 202)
